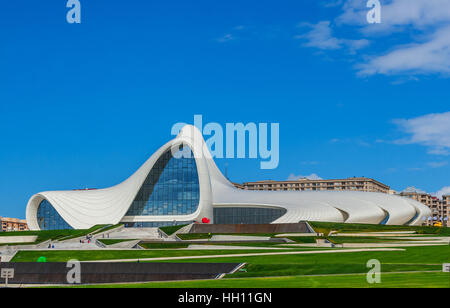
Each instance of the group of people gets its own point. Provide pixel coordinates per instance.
(87, 239)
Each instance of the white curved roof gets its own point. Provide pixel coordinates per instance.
(83, 209)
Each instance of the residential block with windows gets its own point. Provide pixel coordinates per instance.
(440, 208)
(305, 184)
(12, 224)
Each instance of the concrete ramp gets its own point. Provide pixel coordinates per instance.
(136, 234)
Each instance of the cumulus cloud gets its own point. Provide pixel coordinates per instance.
(226, 38)
(444, 191)
(431, 130)
(425, 51)
(397, 13)
(431, 56)
(416, 190)
(312, 176)
(437, 164)
(320, 36)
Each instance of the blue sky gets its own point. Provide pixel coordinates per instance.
(84, 105)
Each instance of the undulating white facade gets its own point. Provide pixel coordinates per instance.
(146, 198)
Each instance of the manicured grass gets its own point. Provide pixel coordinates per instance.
(92, 255)
(107, 228)
(169, 230)
(362, 239)
(408, 255)
(326, 227)
(275, 270)
(411, 259)
(392, 280)
(45, 235)
(194, 236)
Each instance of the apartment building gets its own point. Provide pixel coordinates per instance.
(420, 196)
(304, 184)
(446, 208)
(12, 224)
(440, 208)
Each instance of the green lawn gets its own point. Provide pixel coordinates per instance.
(92, 255)
(168, 245)
(367, 240)
(411, 259)
(326, 227)
(45, 235)
(194, 236)
(169, 230)
(391, 280)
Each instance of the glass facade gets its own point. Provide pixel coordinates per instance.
(246, 215)
(386, 219)
(49, 219)
(171, 188)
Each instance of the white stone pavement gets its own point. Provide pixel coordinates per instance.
(227, 247)
(136, 233)
(17, 239)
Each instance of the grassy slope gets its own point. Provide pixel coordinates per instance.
(326, 227)
(402, 280)
(91, 255)
(412, 259)
(53, 234)
(414, 255)
(169, 230)
(362, 239)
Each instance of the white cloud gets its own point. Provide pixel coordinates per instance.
(426, 50)
(332, 3)
(226, 38)
(312, 176)
(397, 13)
(444, 191)
(320, 36)
(432, 56)
(431, 130)
(414, 189)
(437, 164)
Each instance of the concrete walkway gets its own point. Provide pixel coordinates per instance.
(240, 238)
(125, 245)
(7, 255)
(227, 247)
(251, 255)
(136, 233)
(296, 234)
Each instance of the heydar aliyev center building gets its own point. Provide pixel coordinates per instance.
(180, 183)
